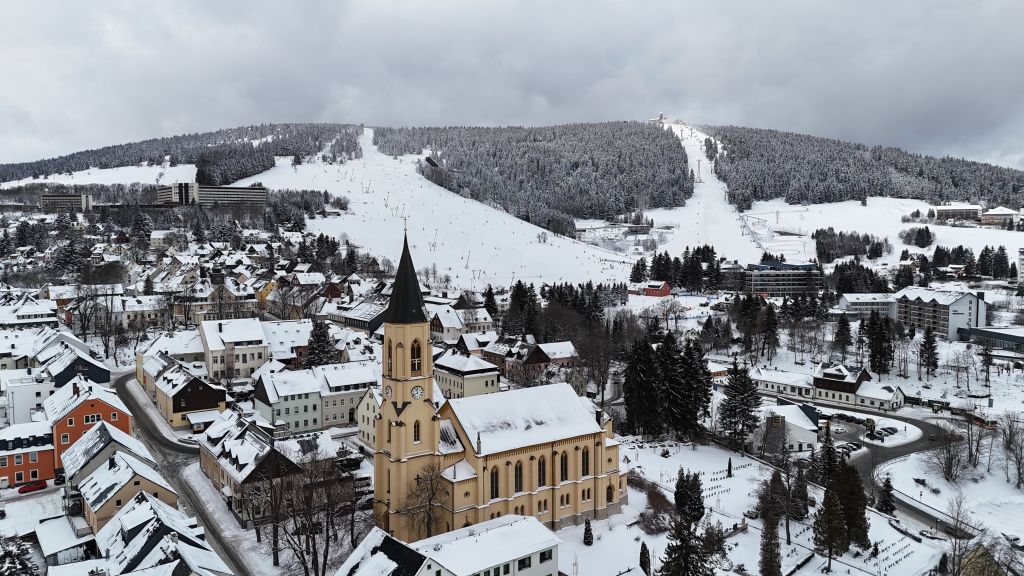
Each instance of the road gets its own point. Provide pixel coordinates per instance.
(172, 458)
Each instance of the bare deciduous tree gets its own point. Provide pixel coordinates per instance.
(949, 457)
(427, 497)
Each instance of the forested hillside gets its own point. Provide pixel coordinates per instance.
(549, 175)
(221, 157)
(760, 164)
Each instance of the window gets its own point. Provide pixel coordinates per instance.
(389, 357)
(524, 563)
(3, 461)
(415, 356)
(494, 482)
(71, 422)
(117, 503)
(113, 415)
(586, 461)
(33, 474)
(416, 432)
(19, 477)
(542, 472)
(609, 494)
(18, 459)
(519, 477)
(33, 457)
(564, 465)
(505, 569)
(65, 439)
(545, 556)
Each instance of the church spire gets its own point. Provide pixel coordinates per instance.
(406, 305)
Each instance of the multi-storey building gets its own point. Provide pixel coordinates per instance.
(233, 348)
(460, 374)
(65, 202)
(778, 279)
(314, 398)
(185, 193)
(946, 311)
(542, 451)
(862, 305)
(958, 211)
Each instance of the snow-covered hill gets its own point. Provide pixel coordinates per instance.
(154, 174)
(468, 241)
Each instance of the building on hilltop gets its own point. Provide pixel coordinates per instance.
(189, 193)
(542, 451)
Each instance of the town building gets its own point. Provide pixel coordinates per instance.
(26, 453)
(515, 543)
(92, 451)
(108, 488)
(775, 382)
(74, 408)
(789, 427)
(233, 348)
(180, 393)
(945, 310)
(65, 203)
(541, 451)
(958, 211)
(26, 311)
(860, 306)
(448, 324)
(779, 279)
(314, 398)
(185, 346)
(1000, 216)
(189, 193)
(838, 384)
(460, 374)
(1008, 338)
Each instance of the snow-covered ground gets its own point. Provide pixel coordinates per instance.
(616, 545)
(23, 514)
(906, 433)
(707, 217)
(149, 174)
(993, 502)
(183, 436)
(466, 240)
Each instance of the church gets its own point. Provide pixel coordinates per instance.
(543, 451)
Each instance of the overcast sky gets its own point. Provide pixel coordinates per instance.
(940, 77)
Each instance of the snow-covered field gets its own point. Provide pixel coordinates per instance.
(154, 174)
(616, 545)
(466, 240)
(24, 513)
(993, 502)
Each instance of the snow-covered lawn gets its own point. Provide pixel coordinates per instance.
(465, 239)
(617, 544)
(992, 501)
(24, 514)
(156, 174)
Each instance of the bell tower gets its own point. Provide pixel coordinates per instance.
(407, 430)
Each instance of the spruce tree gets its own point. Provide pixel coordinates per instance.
(829, 460)
(645, 559)
(769, 332)
(16, 558)
(675, 409)
(198, 232)
(929, 351)
(771, 552)
(685, 554)
(640, 393)
(830, 528)
(843, 337)
(320, 349)
(886, 500)
(728, 469)
(849, 489)
(739, 408)
(588, 534)
(798, 496)
(689, 497)
(147, 286)
(639, 272)
(490, 303)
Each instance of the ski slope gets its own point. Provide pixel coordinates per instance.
(143, 174)
(472, 243)
(707, 217)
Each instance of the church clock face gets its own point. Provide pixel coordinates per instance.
(388, 392)
(417, 392)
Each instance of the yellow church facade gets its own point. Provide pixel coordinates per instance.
(541, 451)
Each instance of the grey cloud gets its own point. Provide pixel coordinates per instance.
(938, 77)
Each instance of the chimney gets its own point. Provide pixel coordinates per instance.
(111, 464)
(981, 295)
(479, 447)
(74, 387)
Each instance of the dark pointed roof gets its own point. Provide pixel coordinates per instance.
(406, 305)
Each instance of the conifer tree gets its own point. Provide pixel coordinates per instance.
(147, 286)
(320, 349)
(843, 337)
(490, 304)
(685, 554)
(639, 272)
(830, 528)
(588, 534)
(769, 332)
(850, 491)
(198, 232)
(771, 553)
(645, 559)
(929, 352)
(829, 460)
(799, 496)
(675, 409)
(739, 409)
(640, 394)
(698, 381)
(886, 500)
(689, 499)
(16, 558)
(728, 469)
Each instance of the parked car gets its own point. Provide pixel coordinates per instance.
(59, 480)
(33, 486)
(839, 430)
(856, 445)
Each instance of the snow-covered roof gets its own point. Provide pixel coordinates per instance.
(240, 331)
(783, 377)
(472, 550)
(524, 417)
(378, 554)
(478, 340)
(309, 278)
(941, 296)
(877, 390)
(105, 481)
(284, 336)
(94, 441)
(958, 206)
(559, 350)
(1001, 211)
(869, 297)
(326, 379)
(58, 533)
(175, 377)
(64, 400)
(461, 470)
(453, 361)
(793, 415)
(176, 343)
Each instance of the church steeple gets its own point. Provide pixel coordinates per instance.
(406, 305)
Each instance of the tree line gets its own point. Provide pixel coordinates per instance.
(550, 175)
(831, 245)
